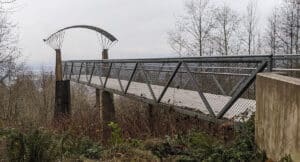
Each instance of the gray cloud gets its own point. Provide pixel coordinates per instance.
(140, 26)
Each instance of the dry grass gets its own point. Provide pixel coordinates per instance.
(30, 102)
(138, 120)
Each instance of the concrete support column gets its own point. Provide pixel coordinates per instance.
(105, 54)
(107, 114)
(62, 90)
(107, 108)
(98, 92)
(58, 66)
(62, 99)
(98, 100)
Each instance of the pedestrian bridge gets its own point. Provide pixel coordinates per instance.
(207, 87)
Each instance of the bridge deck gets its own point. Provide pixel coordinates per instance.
(180, 97)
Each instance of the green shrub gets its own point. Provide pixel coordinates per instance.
(287, 158)
(198, 146)
(34, 147)
(38, 145)
(244, 148)
(116, 134)
(15, 145)
(135, 143)
(81, 147)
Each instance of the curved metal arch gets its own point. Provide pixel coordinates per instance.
(98, 30)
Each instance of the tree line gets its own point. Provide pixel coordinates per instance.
(206, 30)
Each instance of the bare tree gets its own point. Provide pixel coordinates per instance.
(250, 23)
(177, 40)
(271, 35)
(8, 42)
(226, 34)
(283, 30)
(259, 44)
(192, 32)
(287, 27)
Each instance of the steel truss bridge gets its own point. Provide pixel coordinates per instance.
(212, 88)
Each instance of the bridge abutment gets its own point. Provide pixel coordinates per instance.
(277, 118)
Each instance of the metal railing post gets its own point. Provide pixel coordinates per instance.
(270, 63)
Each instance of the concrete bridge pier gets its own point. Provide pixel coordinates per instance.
(98, 100)
(62, 90)
(107, 114)
(58, 65)
(105, 101)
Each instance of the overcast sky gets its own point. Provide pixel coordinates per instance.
(140, 25)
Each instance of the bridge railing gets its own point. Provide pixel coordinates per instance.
(224, 85)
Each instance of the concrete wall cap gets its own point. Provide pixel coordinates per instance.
(281, 78)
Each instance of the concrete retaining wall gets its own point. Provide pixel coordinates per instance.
(277, 117)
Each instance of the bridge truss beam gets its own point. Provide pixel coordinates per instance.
(190, 70)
